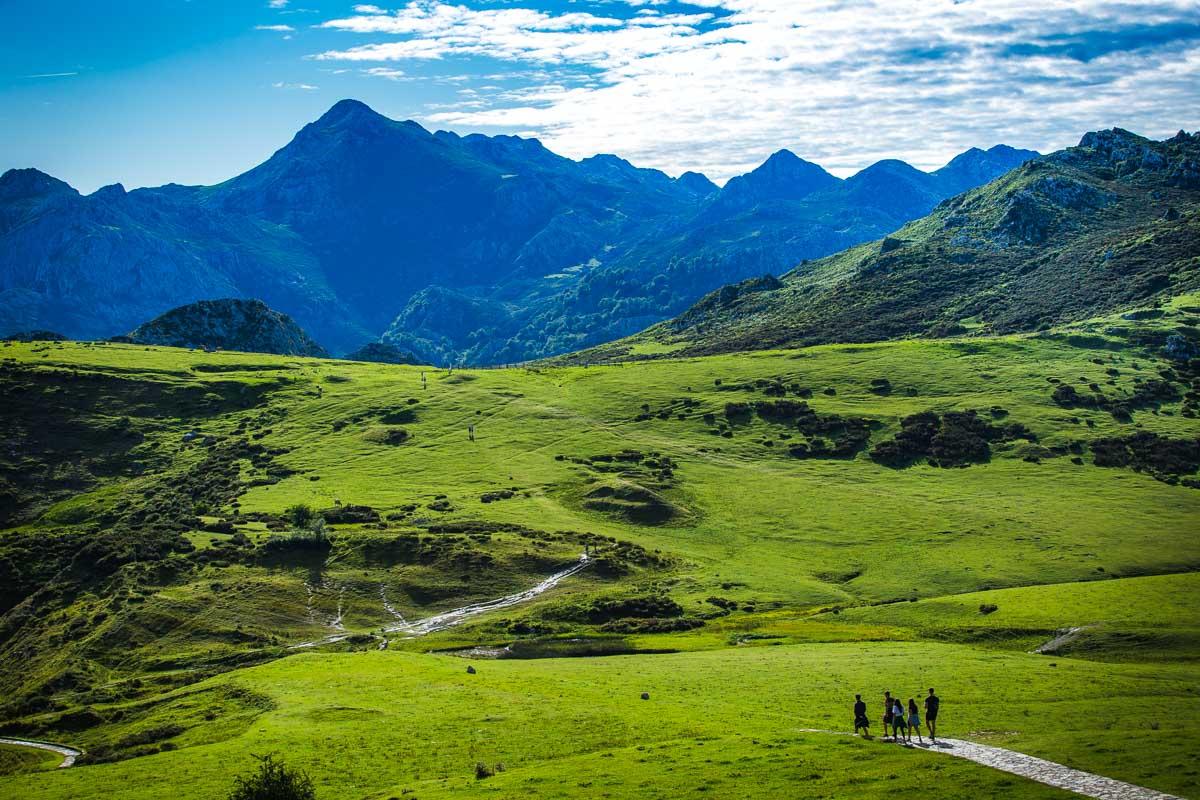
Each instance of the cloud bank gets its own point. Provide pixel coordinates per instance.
(716, 85)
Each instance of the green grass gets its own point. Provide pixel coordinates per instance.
(371, 724)
(1136, 618)
(15, 760)
(187, 651)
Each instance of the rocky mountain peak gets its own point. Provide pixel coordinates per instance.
(19, 184)
(783, 176)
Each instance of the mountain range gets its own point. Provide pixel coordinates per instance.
(1111, 223)
(457, 249)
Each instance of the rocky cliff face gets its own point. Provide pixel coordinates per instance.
(249, 326)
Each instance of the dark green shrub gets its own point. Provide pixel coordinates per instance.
(273, 780)
(300, 515)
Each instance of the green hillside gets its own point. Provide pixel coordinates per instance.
(1085, 231)
(768, 533)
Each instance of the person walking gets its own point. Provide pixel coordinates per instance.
(914, 720)
(860, 716)
(932, 702)
(888, 706)
(898, 723)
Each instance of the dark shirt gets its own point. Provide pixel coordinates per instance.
(931, 704)
(860, 709)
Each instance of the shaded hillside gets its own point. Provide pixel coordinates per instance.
(1112, 222)
(97, 266)
(248, 326)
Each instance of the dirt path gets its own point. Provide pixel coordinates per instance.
(1063, 638)
(69, 754)
(1047, 772)
(1036, 769)
(448, 619)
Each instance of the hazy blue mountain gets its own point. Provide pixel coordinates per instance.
(98, 265)
(458, 248)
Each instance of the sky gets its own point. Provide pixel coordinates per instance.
(146, 93)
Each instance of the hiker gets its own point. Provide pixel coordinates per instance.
(860, 716)
(931, 713)
(914, 720)
(887, 712)
(898, 723)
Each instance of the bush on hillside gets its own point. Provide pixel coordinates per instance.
(300, 515)
(273, 780)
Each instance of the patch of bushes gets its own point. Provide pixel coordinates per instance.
(829, 435)
(652, 625)
(1147, 394)
(1164, 458)
(604, 610)
(956, 438)
(350, 514)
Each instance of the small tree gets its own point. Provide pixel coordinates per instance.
(273, 781)
(300, 515)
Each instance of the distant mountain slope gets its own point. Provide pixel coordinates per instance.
(248, 326)
(461, 248)
(96, 266)
(1112, 222)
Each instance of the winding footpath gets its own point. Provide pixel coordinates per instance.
(69, 754)
(1036, 769)
(448, 619)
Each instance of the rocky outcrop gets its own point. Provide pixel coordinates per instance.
(248, 326)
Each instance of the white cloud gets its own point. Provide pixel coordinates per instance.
(277, 4)
(842, 82)
(384, 72)
(280, 28)
(304, 87)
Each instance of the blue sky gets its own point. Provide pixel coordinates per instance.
(195, 92)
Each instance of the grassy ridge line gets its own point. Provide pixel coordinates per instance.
(372, 723)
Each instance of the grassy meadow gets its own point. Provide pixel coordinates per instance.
(754, 565)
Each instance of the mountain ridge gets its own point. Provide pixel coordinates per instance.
(358, 215)
(1110, 223)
